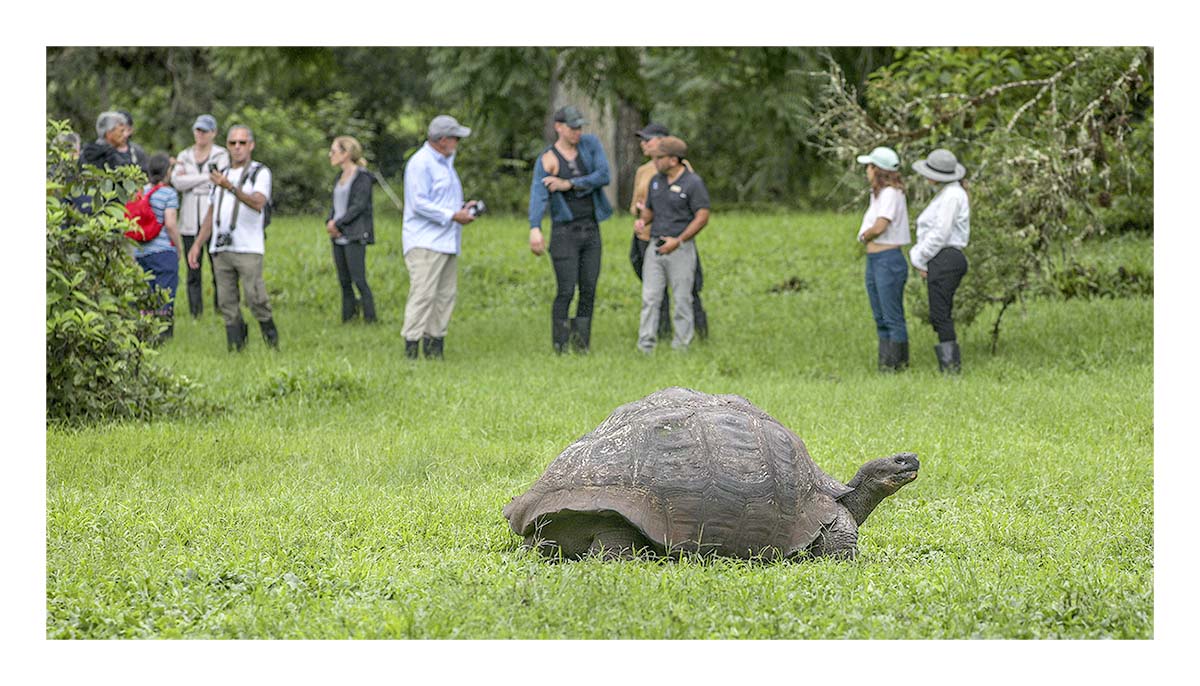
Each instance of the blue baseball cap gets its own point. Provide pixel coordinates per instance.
(205, 122)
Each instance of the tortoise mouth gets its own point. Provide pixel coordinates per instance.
(906, 476)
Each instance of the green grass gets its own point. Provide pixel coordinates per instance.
(342, 491)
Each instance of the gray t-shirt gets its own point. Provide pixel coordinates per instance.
(341, 202)
(675, 204)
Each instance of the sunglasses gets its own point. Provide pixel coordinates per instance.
(237, 142)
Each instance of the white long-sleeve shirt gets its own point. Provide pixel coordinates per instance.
(945, 223)
(191, 180)
(432, 195)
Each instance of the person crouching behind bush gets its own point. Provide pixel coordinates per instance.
(159, 257)
(351, 226)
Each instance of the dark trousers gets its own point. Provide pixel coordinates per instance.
(164, 267)
(194, 291)
(887, 272)
(351, 263)
(637, 255)
(945, 272)
(575, 250)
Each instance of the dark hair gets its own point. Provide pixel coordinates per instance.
(884, 178)
(159, 165)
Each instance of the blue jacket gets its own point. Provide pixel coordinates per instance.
(592, 153)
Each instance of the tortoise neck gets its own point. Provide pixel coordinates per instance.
(862, 501)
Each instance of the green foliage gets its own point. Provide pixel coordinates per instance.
(293, 139)
(1057, 142)
(97, 356)
(743, 114)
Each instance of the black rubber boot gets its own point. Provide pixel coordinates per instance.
(700, 318)
(412, 349)
(902, 356)
(434, 347)
(664, 318)
(581, 334)
(949, 357)
(560, 333)
(885, 355)
(349, 309)
(235, 336)
(368, 309)
(270, 333)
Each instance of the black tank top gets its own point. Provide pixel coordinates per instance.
(579, 202)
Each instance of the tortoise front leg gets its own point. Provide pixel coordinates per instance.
(616, 539)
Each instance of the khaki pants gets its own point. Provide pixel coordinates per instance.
(432, 288)
(232, 267)
(678, 270)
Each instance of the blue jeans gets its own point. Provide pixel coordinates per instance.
(887, 272)
(164, 267)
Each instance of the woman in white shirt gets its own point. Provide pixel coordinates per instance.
(884, 230)
(943, 230)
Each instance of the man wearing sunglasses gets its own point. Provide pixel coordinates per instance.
(240, 194)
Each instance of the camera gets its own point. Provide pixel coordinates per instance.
(477, 209)
(660, 242)
(212, 167)
(224, 239)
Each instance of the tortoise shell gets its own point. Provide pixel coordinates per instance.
(692, 472)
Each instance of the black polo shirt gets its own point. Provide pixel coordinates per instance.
(675, 204)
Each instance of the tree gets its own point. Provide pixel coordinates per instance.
(1050, 136)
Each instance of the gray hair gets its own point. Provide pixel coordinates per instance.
(243, 127)
(69, 138)
(107, 121)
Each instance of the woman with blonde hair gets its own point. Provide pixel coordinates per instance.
(351, 226)
(884, 230)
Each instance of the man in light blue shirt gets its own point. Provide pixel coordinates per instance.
(434, 215)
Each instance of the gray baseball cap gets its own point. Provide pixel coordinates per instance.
(653, 131)
(445, 126)
(205, 122)
(570, 116)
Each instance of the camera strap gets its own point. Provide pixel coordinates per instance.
(247, 175)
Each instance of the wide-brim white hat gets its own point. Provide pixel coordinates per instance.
(940, 165)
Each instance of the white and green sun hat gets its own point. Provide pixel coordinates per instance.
(884, 158)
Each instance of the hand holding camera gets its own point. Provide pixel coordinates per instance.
(469, 212)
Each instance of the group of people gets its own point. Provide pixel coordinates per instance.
(943, 230)
(217, 199)
(207, 199)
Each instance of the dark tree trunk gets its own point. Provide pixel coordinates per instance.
(628, 154)
(555, 77)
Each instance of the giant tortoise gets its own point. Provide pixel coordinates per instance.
(681, 471)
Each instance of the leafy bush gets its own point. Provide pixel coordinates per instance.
(97, 339)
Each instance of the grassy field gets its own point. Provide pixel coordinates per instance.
(343, 491)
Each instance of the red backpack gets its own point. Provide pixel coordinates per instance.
(138, 209)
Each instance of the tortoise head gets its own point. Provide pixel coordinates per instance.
(877, 480)
(887, 474)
